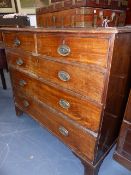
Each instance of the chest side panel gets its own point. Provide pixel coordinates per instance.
(118, 90)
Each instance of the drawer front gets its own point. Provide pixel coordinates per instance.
(86, 81)
(20, 40)
(21, 60)
(77, 139)
(77, 109)
(93, 50)
(80, 79)
(83, 80)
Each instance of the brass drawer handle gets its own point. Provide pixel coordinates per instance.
(64, 104)
(26, 103)
(63, 131)
(64, 76)
(64, 50)
(17, 42)
(22, 83)
(19, 62)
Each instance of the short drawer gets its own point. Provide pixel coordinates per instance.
(77, 49)
(84, 80)
(21, 60)
(20, 40)
(79, 140)
(77, 109)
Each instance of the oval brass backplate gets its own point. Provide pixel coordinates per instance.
(19, 61)
(63, 131)
(17, 42)
(64, 76)
(26, 103)
(22, 83)
(64, 50)
(64, 104)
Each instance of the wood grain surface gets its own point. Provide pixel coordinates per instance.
(93, 50)
(58, 5)
(29, 63)
(83, 112)
(84, 17)
(87, 109)
(86, 81)
(77, 139)
(27, 40)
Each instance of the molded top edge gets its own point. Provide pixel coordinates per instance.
(99, 30)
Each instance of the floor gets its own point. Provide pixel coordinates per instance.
(28, 149)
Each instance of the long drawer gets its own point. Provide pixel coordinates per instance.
(84, 80)
(76, 108)
(95, 59)
(20, 40)
(77, 139)
(93, 50)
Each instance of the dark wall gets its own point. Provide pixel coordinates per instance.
(128, 19)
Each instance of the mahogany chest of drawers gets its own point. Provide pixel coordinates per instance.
(74, 82)
(123, 150)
